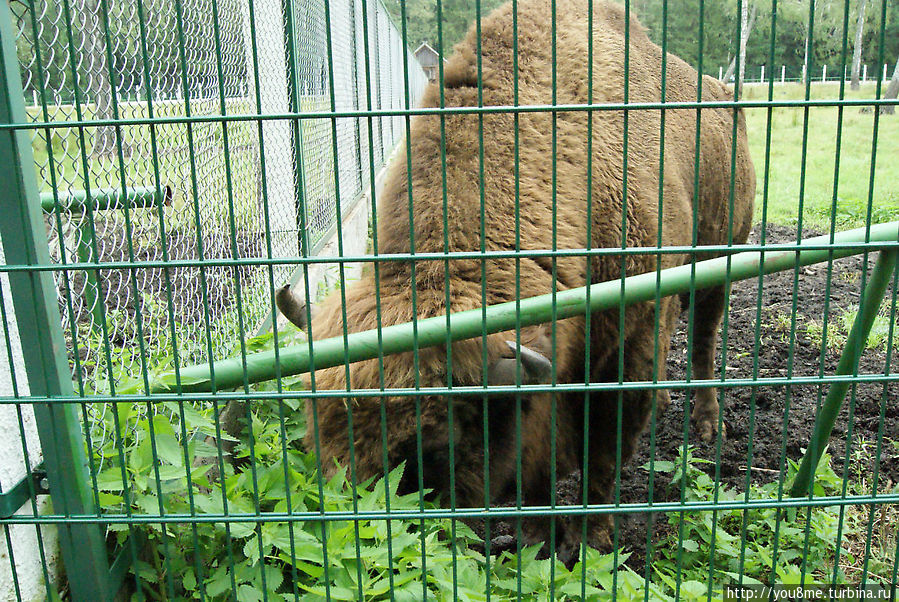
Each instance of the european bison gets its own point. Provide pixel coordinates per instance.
(550, 201)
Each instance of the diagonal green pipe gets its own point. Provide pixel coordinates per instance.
(260, 367)
(848, 365)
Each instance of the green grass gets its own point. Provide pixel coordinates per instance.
(172, 160)
(838, 332)
(785, 175)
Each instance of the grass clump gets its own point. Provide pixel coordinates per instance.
(838, 329)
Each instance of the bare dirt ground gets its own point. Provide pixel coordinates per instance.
(784, 416)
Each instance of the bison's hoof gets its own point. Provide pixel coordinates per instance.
(601, 539)
(707, 428)
(600, 534)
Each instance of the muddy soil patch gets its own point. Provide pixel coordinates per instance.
(776, 421)
(782, 417)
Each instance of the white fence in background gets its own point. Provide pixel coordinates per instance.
(828, 74)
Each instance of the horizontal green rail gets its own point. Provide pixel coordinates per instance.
(429, 514)
(853, 248)
(108, 198)
(259, 367)
(135, 392)
(474, 110)
(34, 483)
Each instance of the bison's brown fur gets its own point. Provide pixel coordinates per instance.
(542, 212)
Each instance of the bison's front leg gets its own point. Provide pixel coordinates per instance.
(707, 316)
(607, 429)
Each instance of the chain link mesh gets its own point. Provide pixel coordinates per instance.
(232, 183)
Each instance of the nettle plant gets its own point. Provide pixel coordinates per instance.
(744, 544)
(155, 449)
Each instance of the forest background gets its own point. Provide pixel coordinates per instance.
(720, 26)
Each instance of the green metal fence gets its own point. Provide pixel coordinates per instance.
(498, 404)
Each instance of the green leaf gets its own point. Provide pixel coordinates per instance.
(171, 473)
(169, 450)
(108, 500)
(314, 571)
(199, 448)
(219, 582)
(146, 572)
(210, 503)
(123, 411)
(248, 593)
(162, 425)
(110, 480)
(336, 593)
(274, 577)
(574, 589)
(188, 579)
(660, 466)
(251, 550)
(242, 529)
(693, 589)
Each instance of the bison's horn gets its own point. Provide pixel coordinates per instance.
(535, 368)
(293, 308)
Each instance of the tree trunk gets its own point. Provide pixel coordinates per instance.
(730, 70)
(96, 81)
(857, 49)
(805, 73)
(747, 21)
(892, 92)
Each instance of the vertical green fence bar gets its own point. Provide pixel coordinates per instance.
(34, 298)
(93, 297)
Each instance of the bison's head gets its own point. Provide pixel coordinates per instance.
(408, 425)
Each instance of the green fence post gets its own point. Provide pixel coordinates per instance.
(93, 295)
(855, 344)
(43, 346)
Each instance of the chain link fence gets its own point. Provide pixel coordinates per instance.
(221, 189)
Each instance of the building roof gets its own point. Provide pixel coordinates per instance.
(427, 48)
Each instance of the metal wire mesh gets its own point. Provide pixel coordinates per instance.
(91, 59)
